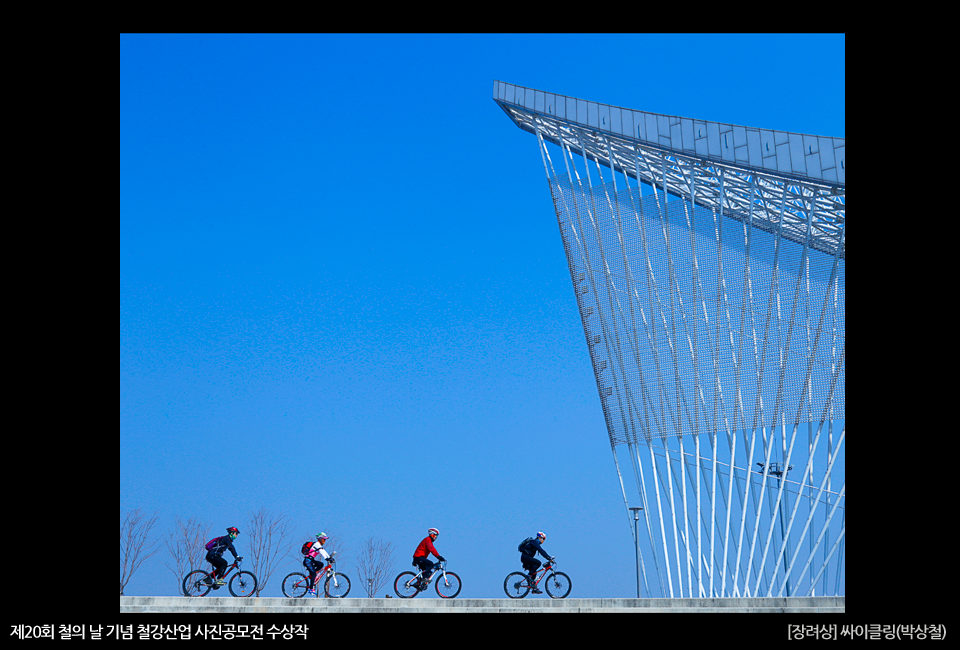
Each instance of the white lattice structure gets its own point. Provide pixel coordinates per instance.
(713, 310)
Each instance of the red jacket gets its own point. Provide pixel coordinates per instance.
(425, 548)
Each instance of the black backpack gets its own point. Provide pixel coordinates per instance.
(524, 543)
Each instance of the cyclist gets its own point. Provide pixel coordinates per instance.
(314, 565)
(528, 557)
(222, 544)
(421, 557)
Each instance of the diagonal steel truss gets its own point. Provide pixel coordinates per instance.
(713, 310)
(774, 200)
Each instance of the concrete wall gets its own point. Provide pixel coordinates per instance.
(175, 605)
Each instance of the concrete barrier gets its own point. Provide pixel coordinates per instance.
(219, 605)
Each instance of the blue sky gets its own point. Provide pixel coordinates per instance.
(343, 293)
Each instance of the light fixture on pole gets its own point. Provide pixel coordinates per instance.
(777, 470)
(636, 537)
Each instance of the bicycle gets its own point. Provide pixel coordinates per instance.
(337, 585)
(408, 584)
(199, 582)
(517, 584)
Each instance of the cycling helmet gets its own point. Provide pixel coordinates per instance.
(433, 531)
(322, 536)
(542, 534)
(233, 529)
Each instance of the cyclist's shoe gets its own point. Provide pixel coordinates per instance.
(312, 592)
(220, 582)
(537, 591)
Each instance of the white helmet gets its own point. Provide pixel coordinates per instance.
(433, 531)
(542, 534)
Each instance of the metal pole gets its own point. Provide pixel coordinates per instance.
(636, 537)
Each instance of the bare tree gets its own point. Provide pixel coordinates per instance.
(269, 532)
(375, 565)
(186, 546)
(300, 538)
(136, 543)
(333, 545)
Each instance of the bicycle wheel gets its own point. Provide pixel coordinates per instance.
(558, 584)
(517, 585)
(406, 585)
(294, 585)
(448, 584)
(243, 584)
(196, 583)
(337, 586)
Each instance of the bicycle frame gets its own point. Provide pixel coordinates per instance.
(324, 573)
(548, 567)
(438, 568)
(199, 581)
(236, 565)
(447, 583)
(519, 584)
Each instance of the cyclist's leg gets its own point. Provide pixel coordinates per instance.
(531, 564)
(213, 568)
(312, 571)
(219, 565)
(426, 566)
